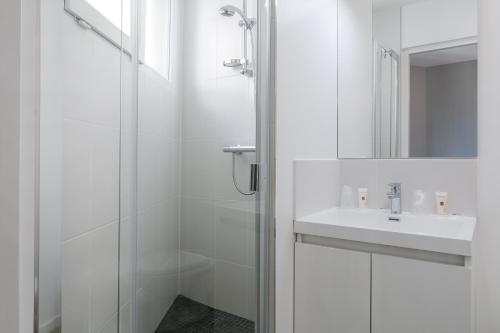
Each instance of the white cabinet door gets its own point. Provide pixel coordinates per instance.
(332, 290)
(413, 296)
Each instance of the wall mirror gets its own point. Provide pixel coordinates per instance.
(407, 79)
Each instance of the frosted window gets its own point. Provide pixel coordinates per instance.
(105, 17)
(156, 47)
(111, 10)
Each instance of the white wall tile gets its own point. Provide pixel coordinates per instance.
(77, 188)
(252, 294)
(103, 275)
(91, 165)
(198, 277)
(197, 226)
(315, 185)
(91, 89)
(200, 39)
(232, 219)
(231, 288)
(105, 175)
(198, 168)
(361, 174)
(455, 176)
(200, 109)
(75, 290)
(236, 115)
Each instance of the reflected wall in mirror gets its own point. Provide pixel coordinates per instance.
(407, 79)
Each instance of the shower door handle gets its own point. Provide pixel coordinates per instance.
(254, 177)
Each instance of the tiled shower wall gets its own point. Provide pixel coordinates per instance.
(217, 223)
(160, 109)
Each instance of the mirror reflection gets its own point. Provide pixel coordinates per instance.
(407, 79)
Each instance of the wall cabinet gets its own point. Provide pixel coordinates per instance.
(346, 291)
(332, 290)
(415, 296)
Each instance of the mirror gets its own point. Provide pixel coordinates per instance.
(407, 79)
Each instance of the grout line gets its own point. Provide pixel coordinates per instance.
(88, 232)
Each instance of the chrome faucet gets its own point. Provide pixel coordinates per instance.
(394, 195)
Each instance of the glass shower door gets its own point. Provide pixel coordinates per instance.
(154, 196)
(196, 232)
(80, 130)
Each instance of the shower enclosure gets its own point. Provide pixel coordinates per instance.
(155, 166)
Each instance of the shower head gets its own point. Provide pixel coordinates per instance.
(229, 11)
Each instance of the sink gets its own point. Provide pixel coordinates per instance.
(444, 234)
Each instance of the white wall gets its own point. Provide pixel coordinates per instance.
(488, 287)
(306, 119)
(433, 21)
(30, 93)
(18, 93)
(387, 27)
(452, 110)
(217, 223)
(418, 112)
(318, 183)
(10, 32)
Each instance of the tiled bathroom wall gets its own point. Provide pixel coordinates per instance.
(217, 222)
(318, 182)
(81, 112)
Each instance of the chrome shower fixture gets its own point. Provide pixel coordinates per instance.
(229, 11)
(246, 24)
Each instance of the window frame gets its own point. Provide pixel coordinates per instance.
(96, 21)
(82, 10)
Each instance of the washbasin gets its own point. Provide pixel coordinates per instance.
(446, 234)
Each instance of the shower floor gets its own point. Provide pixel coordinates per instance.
(188, 316)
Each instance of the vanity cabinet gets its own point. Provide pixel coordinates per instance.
(415, 296)
(339, 290)
(332, 290)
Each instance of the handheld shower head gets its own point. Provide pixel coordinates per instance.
(229, 11)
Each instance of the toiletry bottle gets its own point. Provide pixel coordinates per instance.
(419, 202)
(362, 197)
(442, 203)
(347, 197)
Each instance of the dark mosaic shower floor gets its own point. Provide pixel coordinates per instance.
(188, 316)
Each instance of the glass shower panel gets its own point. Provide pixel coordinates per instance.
(79, 170)
(195, 219)
(147, 141)
(386, 110)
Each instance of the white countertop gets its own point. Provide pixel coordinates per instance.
(443, 234)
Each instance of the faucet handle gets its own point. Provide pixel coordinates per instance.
(395, 188)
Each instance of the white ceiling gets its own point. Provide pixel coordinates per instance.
(444, 56)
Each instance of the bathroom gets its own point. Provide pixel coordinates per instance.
(249, 166)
